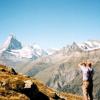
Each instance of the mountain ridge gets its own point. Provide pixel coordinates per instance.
(15, 48)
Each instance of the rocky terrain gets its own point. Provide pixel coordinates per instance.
(59, 69)
(64, 74)
(14, 86)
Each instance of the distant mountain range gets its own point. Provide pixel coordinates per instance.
(57, 68)
(15, 48)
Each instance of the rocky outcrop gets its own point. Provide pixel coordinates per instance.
(20, 87)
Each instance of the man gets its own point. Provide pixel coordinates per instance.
(87, 86)
(90, 75)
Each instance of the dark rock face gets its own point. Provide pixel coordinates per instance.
(36, 95)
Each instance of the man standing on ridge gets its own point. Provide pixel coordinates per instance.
(87, 87)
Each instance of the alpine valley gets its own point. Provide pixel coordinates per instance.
(57, 68)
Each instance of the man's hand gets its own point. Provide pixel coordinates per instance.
(80, 64)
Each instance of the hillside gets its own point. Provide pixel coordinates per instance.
(60, 70)
(14, 86)
(63, 74)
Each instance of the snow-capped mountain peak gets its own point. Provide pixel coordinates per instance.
(10, 44)
(36, 46)
(13, 47)
(89, 45)
(38, 50)
(52, 51)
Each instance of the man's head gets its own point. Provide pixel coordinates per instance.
(89, 64)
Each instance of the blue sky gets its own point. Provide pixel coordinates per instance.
(50, 23)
